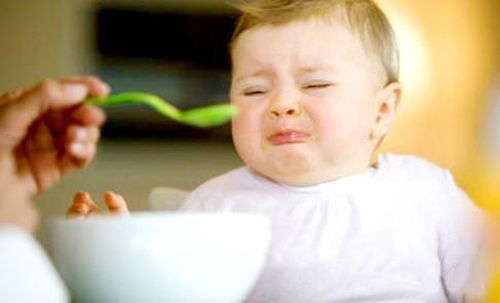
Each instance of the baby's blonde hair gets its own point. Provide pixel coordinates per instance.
(363, 17)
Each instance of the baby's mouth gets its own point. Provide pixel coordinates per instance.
(288, 137)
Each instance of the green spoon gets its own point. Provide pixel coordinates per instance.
(202, 117)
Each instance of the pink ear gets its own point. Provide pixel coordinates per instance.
(388, 101)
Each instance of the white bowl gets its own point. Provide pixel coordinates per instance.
(161, 257)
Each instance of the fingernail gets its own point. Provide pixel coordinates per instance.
(81, 134)
(107, 88)
(77, 148)
(75, 91)
(82, 193)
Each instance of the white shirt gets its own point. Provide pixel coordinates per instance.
(401, 232)
(26, 273)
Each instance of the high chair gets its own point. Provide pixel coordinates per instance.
(167, 198)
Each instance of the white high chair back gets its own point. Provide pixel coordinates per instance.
(167, 198)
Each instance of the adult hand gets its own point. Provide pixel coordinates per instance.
(45, 133)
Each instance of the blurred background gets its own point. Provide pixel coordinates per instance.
(450, 112)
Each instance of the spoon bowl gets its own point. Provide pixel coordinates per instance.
(202, 117)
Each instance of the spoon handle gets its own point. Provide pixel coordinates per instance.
(137, 97)
(202, 117)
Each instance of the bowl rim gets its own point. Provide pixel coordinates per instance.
(158, 215)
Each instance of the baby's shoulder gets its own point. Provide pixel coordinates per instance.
(412, 176)
(422, 183)
(409, 168)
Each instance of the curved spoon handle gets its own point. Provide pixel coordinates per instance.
(137, 97)
(203, 117)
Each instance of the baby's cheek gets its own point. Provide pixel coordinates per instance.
(337, 136)
(239, 127)
(238, 122)
(243, 130)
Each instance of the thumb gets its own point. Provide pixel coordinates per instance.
(116, 204)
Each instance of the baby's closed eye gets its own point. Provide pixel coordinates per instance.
(317, 85)
(254, 91)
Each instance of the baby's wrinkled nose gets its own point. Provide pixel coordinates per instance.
(284, 104)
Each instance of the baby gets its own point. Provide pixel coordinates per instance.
(316, 82)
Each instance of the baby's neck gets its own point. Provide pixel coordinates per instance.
(305, 180)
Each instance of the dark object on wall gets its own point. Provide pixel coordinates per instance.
(192, 38)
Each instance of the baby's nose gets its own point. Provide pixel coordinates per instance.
(284, 105)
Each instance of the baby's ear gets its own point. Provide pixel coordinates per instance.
(387, 103)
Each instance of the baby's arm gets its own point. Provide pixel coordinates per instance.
(461, 246)
(83, 206)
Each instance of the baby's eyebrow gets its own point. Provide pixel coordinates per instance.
(258, 73)
(312, 69)
(300, 72)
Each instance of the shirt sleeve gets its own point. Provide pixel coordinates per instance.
(26, 273)
(193, 203)
(461, 236)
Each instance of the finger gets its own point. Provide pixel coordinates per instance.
(42, 155)
(80, 147)
(78, 156)
(84, 114)
(19, 113)
(116, 204)
(83, 206)
(81, 155)
(96, 86)
(88, 115)
(85, 199)
(78, 209)
(49, 94)
(81, 134)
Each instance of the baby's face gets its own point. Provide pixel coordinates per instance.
(307, 94)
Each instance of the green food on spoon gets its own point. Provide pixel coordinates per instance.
(202, 117)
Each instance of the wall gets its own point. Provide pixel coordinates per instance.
(441, 108)
(31, 45)
(51, 38)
